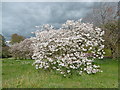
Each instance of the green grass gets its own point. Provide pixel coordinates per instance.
(21, 74)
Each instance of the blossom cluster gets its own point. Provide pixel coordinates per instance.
(71, 48)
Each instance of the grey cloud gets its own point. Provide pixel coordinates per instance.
(22, 17)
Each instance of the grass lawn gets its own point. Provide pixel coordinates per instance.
(21, 74)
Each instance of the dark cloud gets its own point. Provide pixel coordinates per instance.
(22, 17)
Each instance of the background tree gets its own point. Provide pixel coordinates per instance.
(2, 41)
(22, 50)
(102, 13)
(4, 49)
(112, 37)
(15, 38)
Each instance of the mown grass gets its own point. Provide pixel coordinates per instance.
(21, 74)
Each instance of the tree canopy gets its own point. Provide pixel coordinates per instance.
(15, 38)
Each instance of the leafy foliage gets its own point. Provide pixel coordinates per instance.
(4, 49)
(15, 38)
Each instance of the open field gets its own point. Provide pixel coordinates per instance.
(21, 74)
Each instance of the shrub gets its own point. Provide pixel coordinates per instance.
(65, 49)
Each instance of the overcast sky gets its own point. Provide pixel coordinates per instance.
(21, 18)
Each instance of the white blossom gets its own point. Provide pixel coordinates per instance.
(68, 48)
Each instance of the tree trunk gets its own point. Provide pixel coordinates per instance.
(114, 52)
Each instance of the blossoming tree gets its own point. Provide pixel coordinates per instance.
(22, 50)
(66, 49)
